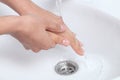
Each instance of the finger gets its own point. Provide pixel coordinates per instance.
(59, 39)
(36, 50)
(77, 47)
(27, 48)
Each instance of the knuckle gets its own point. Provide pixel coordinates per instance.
(27, 48)
(36, 50)
(60, 20)
(53, 45)
(48, 46)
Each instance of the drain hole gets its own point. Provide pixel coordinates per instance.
(66, 67)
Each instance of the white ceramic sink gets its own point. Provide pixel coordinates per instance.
(99, 32)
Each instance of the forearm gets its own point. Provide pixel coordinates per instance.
(22, 7)
(8, 24)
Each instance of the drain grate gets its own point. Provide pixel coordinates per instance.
(66, 67)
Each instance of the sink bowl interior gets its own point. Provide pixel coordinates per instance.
(99, 33)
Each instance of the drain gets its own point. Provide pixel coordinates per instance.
(66, 67)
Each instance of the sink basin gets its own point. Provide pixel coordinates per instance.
(99, 32)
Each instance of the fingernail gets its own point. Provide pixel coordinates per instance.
(81, 52)
(66, 42)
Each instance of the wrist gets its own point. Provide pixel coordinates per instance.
(17, 24)
(9, 24)
(22, 7)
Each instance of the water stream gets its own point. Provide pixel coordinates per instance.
(91, 67)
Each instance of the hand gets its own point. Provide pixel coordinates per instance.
(32, 33)
(25, 7)
(53, 20)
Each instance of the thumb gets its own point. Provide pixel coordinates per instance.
(59, 40)
(56, 28)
